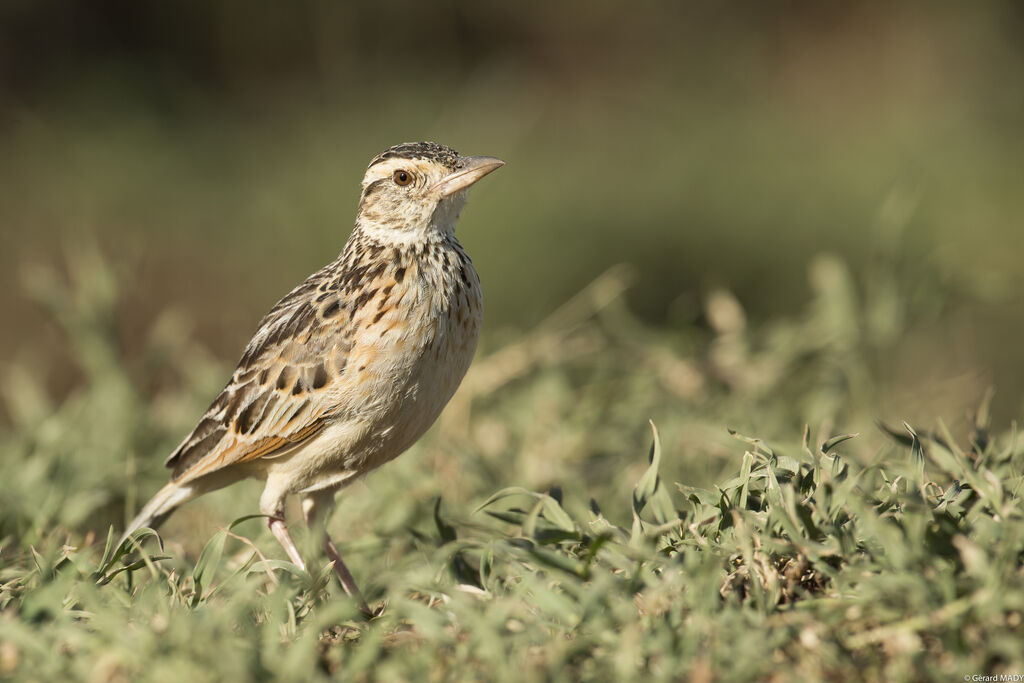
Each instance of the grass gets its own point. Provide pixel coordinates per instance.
(544, 530)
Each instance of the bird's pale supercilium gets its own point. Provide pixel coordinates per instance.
(353, 365)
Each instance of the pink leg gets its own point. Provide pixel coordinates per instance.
(316, 508)
(344, 576)
(280, 531)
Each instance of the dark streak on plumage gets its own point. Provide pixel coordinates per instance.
(298, 411)
(205, 427)
(353, 277)
(362, 299)
(332, 309)
(431, 151)
(372, 188)
(233, 405)
(195, 450)
(285, 378)
(249, 418)
(319, 376)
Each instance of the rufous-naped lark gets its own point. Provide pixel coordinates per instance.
(351, 367)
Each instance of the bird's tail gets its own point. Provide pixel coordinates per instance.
(160, 506)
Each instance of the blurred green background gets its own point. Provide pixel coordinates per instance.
(213, 149)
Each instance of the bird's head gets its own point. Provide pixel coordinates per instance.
(415, 190)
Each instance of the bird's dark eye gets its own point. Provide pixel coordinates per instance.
(402, 178)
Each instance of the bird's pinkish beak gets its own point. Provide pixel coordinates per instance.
(472, 169)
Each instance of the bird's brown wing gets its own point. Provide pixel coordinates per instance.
(280, 395)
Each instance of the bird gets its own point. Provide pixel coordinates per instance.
(352, 366)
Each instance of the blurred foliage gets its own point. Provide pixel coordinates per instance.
(558, 551)
(217, 147)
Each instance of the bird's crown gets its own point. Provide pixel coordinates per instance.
(431, 151)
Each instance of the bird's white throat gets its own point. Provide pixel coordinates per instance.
(413, 229)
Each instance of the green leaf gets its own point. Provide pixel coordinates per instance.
(513, 516)
(530, 523)
(698, 496)
(108, 548)
(835, 441)
(916, 456)
(148, 560)
(446, 530)
(244, 519)
(262, 566)
(552, 510)
(554, 513)
(648, 483)
(553, 559)
(209, 560)
(744, 478)
(242, 570)
(505, 493)
(787, 466)
(759, 445)
(133, 542)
